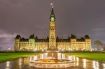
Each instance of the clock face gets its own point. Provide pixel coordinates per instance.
(52, 19)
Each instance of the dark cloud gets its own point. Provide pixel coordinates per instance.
(73, 16)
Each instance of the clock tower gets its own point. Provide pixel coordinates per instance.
(52, 31)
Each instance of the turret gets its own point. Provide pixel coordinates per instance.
(17, 42)
(73, 38)
(32, 42)
(73, 42)
(87, 42)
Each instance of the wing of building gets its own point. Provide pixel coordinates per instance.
(52, 42)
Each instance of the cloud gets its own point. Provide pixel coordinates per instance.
(99, 29)
(4, 34)
(6, 40)
(7, 35)
(98, 34)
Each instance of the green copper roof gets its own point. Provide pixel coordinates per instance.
(52, 14)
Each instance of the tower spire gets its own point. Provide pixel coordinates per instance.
(52, 15)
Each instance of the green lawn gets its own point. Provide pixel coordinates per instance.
(89, 55)
(13, 55)
(100, 56)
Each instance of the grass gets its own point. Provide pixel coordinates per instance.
(5, 56)
(100, 56)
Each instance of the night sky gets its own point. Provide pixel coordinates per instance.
(26, 17)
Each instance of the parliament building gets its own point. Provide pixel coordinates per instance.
(52, 42)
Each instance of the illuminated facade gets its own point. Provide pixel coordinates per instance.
(52, 42)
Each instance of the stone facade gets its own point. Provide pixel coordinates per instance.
(52, 42)
(35, 44)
